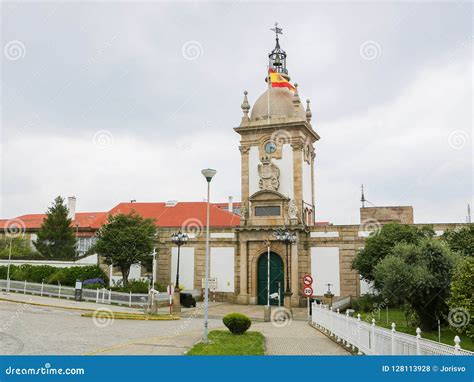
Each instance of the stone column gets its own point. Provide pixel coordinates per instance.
(298, 177)
(244, 151)
(243, 297)
(295, 276)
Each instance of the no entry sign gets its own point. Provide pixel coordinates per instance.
(307, 280)
(307, 291)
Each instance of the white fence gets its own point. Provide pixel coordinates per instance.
(375, 340)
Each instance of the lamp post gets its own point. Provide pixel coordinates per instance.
(329, 295)
(208, 173)
(286, 237)
(8, 266)
(179, 239)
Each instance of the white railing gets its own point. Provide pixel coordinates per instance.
(102, 295)
(375, 340)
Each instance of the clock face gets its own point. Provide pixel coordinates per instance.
(270, 147)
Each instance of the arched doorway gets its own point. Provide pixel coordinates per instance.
(276, 278)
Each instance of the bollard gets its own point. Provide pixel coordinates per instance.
(24, 288)
(42, 286)
(97, 296)
(59, 291)
(130, 299)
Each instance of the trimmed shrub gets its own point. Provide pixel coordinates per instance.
(134, 286)
(53, 275)
(237, 323)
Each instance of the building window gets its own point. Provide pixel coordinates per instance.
(267, 211)
(84, 244)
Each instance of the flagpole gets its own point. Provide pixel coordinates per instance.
(268, 95)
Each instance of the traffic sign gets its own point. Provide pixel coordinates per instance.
(307, 291)
(307, 280)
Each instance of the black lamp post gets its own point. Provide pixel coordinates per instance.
(179, 239)
(288, 238)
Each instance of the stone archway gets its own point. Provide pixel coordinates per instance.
(276, 278)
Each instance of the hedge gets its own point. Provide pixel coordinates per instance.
(52, 275)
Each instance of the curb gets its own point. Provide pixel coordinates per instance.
(121, 316)
(58, 306)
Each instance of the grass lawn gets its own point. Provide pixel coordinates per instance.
(224, 342)
(398, 316)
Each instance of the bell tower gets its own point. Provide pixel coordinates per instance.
(277, 151)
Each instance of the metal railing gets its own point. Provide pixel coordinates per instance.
(375, 340)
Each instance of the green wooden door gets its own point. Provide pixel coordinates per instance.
(276, 276)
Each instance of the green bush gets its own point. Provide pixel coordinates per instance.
(93, 286)
(53, 275)
(160, 287)
(367, 303)
(237, 323)
(134, 286)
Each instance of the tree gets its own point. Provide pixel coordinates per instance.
(418, 276)
(461, 301)
(461, 240)
(56, 238)
(21, 248)
(126, 240)
(380, 245)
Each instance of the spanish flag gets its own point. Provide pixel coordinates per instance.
(278, 81)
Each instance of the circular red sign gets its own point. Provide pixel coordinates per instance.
(307, 280)
(307, 291)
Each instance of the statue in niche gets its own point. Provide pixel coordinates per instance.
(292, 210)
(269, 174)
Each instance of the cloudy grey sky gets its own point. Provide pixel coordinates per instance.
(117, 101)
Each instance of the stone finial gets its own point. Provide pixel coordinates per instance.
(296, 101)
(309, 114)
(245, 108)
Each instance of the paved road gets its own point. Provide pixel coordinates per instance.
(28, 329)
(31, 329)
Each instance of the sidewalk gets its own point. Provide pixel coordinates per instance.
(63, 303)
(254, 312)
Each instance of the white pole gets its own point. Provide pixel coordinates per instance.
(59, 292)
(206, 288)
(97, 296)
(24, 288)
(153, 269)
(130, 299)
(8, 266)
(268, 276)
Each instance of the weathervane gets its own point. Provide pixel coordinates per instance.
(277, 30)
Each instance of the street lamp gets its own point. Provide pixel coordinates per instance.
(286, 237)
(208, 173)
(179, 239)
(329, 295)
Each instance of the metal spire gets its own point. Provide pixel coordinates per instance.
(362, 198)
(277, 57)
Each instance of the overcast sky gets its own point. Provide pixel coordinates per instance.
(117, 101)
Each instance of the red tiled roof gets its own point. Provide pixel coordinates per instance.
(181, 214)
(34, 221)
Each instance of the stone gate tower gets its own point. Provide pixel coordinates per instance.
(277, 170)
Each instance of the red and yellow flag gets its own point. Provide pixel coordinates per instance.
(278, 81)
